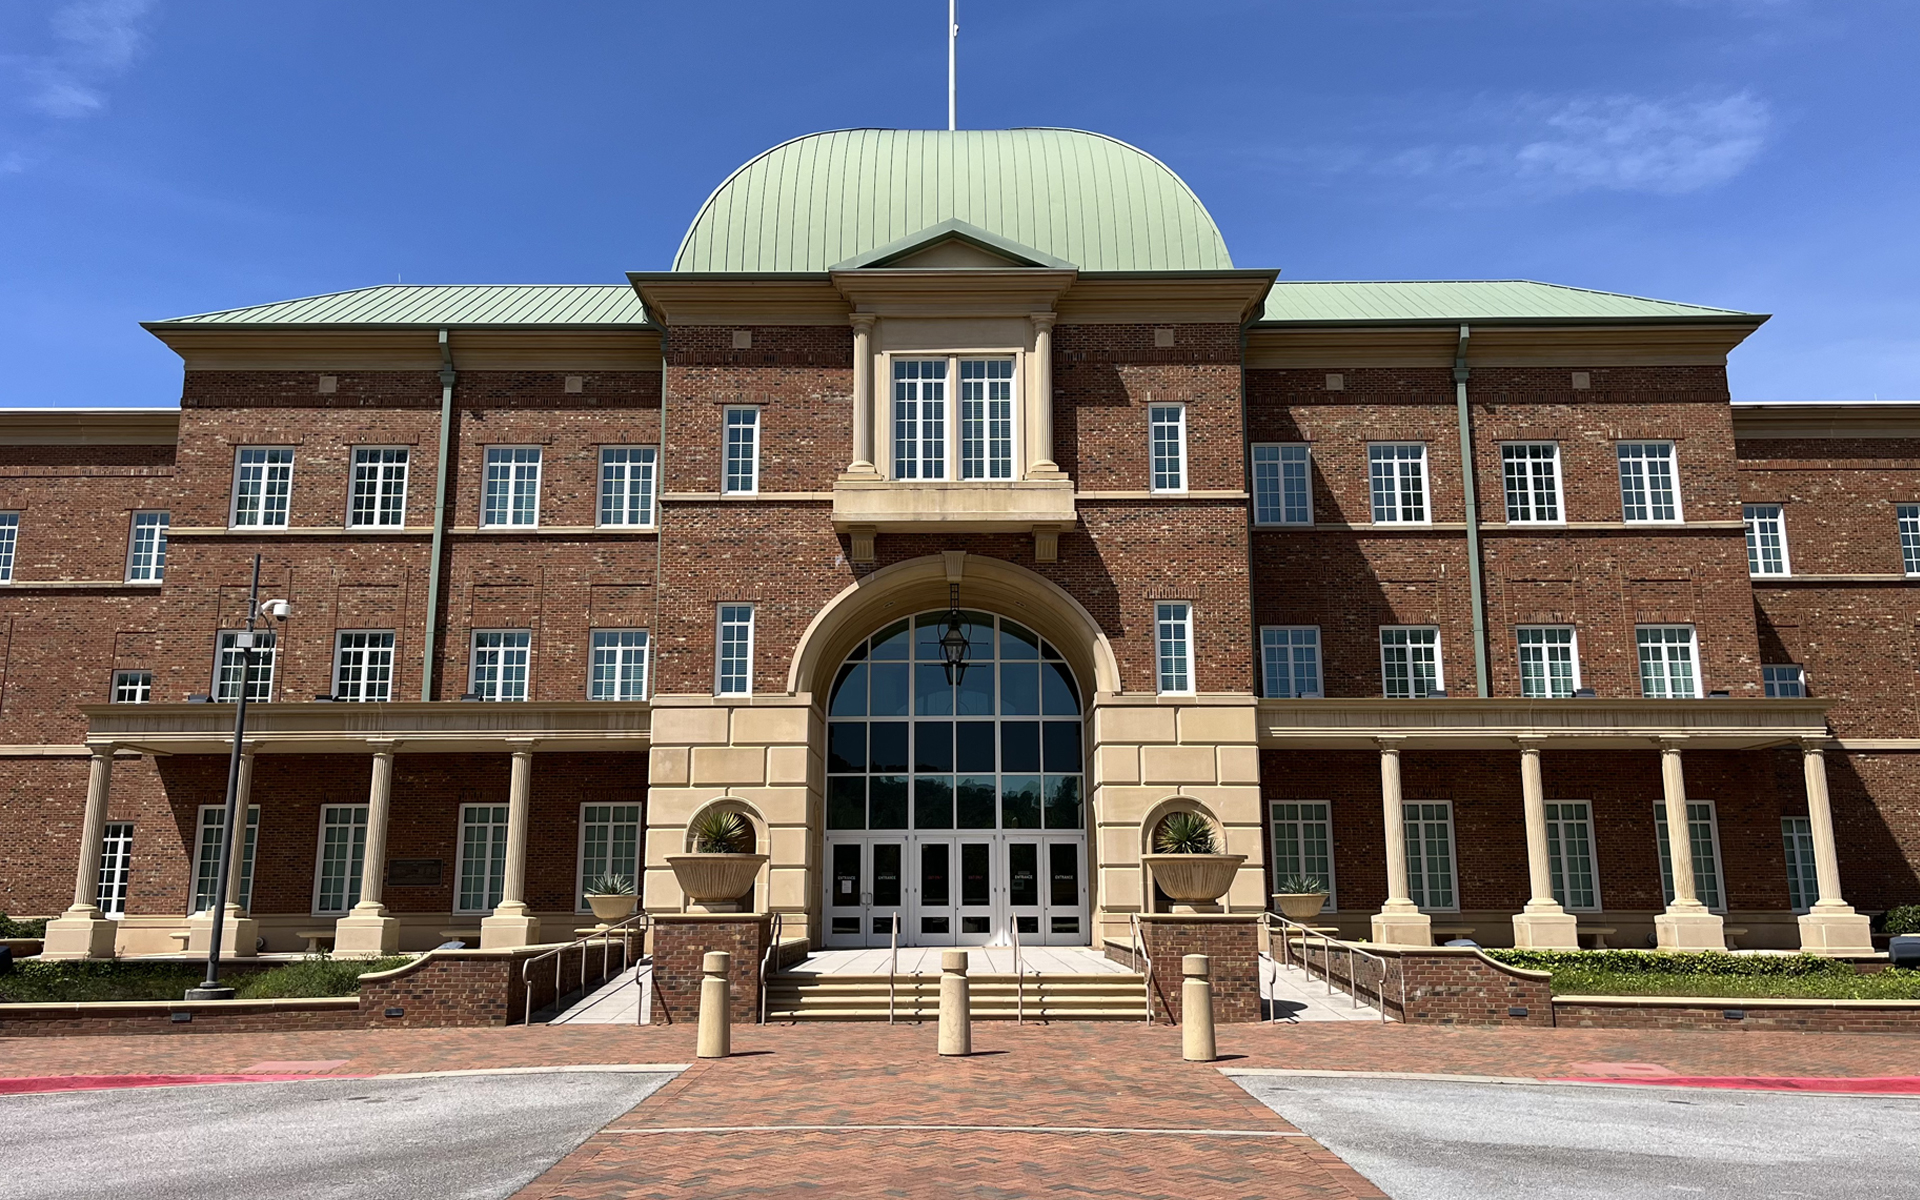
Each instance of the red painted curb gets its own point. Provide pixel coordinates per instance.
(1879, 1085)
(30, 1084)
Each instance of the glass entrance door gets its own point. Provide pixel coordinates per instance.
(957, 890)
(866, 891)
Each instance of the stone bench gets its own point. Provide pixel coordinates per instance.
(1599, 934)
(470, 936)
(314, 937)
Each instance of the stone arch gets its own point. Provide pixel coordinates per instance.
(1151, 821)
(762, 837)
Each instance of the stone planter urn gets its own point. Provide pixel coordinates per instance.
(1194, 882)
(1300, 906)
(611, 909)
(715, 882)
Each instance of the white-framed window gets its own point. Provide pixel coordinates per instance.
(1570, 855)
(1784, 681)
(733, 651)
(1766, 539)
(1290, 661)
(1397, 472)
(147, 547)
(1303, 844)
(1649, 489)
(1430, 877)
(262, 486)
(342, 854)
(116, 867)
(986, 418)
(1669, 668)
(742, 452)
(132, 687)
(379, 499)
(1803, 883)
(9, 543)
(627, 484)
(1549, 661)
(206, 864)
(1532, 474)
(919, 418)
(499, 664)
(619, 670)
(483, 857)
(363, 665)
(1908, 516)
(1410, 662)
(1703, 834)
(609, 845)
(1168, 426)
(512, 496)
(230, 661)
(1173, 636)
(1282, 484)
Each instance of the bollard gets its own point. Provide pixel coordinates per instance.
(716, 1022)
(1196, 1010)
(956, 1023)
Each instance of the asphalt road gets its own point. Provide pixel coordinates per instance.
(1436, 1140)
(463, 1136)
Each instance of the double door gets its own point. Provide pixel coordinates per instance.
(956, 889)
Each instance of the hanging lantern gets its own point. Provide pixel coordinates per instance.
(954, 647)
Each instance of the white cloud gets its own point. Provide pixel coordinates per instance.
(1632, 144)
(95, 40)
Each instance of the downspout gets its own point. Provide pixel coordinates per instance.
(442, 472)
(1476, 584)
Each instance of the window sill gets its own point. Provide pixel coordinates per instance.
(78, 584)
(179, 531)
(1788, 580)
(959, 506)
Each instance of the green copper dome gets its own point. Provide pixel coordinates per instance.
(1082, 198)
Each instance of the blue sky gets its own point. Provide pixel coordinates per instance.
(162, 157)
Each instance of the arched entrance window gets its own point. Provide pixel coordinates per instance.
(955, 799)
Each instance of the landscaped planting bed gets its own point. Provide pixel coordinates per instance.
(67, 982)
(1707, 973)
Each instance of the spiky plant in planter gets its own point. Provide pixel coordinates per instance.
(1185, 833)
(1187, 863)
(722, 867)
(612, 897)
(720, 831)
(1300, 897)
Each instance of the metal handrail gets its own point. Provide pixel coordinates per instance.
(1140, 955)
(637, 923)
(776, 927)
(893, 963)
(1279, 927)
(1019, 979)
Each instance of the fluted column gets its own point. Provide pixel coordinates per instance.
(1832, 927)
(1686, 925)
(1399, 921)
(511, 924)
(239, 932)
(368, 930)
(237, 860)
(83, 931)
(863, 398)
(1040, 454)
(1543, 924)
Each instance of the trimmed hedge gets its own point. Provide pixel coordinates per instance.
(315, 977)
(1905, 919)
(1710, 973)
(1666, 962)
(10, 928)
(35, 981)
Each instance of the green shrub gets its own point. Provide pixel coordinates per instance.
(1905, 919)
(315, 977)
(10, 928)
(1664, 962)
(1708, 973)
(35, 982)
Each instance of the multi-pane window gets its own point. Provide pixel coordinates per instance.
(1803, 884)
(379, 487)
(1282, 493)
(742, 452)
(483, 856)
(1570, 855)
(1430, 882)
(986, 418)
(1784, 681)
(1766, 539)
(1549, 661)
(1397, 472)
(1303, 845)
(1290, 661)
(512, 495)
(9, 541)
(206, 865)
(132, 687)
(116, 867)
(1168, 423)
(920, 418)
(363, 664)
(733, 666)
(626, 484)
(230, 662)
(1909, 518)
(1703, 836)
(619, 669)
(1647, 488)
(499, 669)
(147, 547)
(1532, 473)
(1668, 668)
(262, 486)
(1173, 633)
(343, 852)
(1410, 661)
(609, 845)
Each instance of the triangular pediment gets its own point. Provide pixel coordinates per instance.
(953, 245)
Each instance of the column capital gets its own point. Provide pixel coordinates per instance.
(383, 745)
(1390, 742)
(1815, 745)
(522, 745)
(1674, 742)
(1043, 320)
(1531, 743)
(107, 748)
(862, 322)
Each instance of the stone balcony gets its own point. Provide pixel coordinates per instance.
(865, 507)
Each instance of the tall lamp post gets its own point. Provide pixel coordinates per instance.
(245, 642)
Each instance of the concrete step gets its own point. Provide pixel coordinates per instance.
(1040, 997)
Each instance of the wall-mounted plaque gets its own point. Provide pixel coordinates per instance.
(413, 872)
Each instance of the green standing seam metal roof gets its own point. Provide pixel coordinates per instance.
(1389, 301)
(1084, 198)
(456, 305)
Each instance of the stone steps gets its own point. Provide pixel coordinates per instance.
(1047, 997)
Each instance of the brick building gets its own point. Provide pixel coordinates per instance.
(1478, 602)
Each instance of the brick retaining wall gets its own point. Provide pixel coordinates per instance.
(1440, 986)
(681, 940)
(1737, 1013)
(1232, 946)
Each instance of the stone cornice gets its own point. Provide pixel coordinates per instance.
(1017, 292)
(89, 426)
(686, 299)
(281, 347)
(346, 728)
(1496, 344)
(1210, 298)
(1472, 723)
(1827, 419)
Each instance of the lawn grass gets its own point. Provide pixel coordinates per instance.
(36, 982)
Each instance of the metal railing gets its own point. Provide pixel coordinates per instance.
(893, 963)
(1145, 960)
(771, 958)
(637, 923)
(1019, 978)
(1281, 932)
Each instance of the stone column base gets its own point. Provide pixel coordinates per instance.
(239, 936)
(1684, 930)
(1231, 942)
(505, 933)
(1403, 928)
(370, 935)
(1546, 931)
(1833, 931)
(681, 940)
(76, 935)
